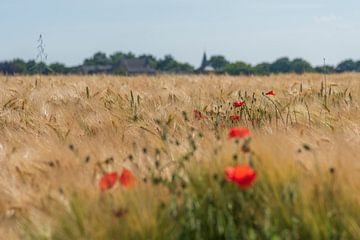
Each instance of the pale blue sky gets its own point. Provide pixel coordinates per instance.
(248, 30)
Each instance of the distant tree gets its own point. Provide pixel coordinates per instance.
(281, 65)
(42, 68)
(16, 66)
(238, 68)
(150, 60)
(31, 67)
(117, 57)
(185, 68)
(58, 68)
(218, 62)
(130, 55)
(7, 68)
(169, 64)
(74, 70)
(300, 66)
(262, 69)
(19, 66)
(99, 58)
(357, 66)
(346, 66)
(324, 69)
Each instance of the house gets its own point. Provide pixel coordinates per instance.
(124, 67)
(133, 66)
(205, 67)
(94, 69)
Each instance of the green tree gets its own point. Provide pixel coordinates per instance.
(357, 66)
(31, 67)
(346, 66)
(118, 56)
(262, 69)
(58, 68)
(281, 65)
(324, 69)
(300, 66)
(42, 68)
(169, 64)
(7, 68)
(150, 60)
(19, 66)
(218, 62)
(238, 68)
(99, 58)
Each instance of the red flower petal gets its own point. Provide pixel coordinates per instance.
(229, 173)
(108, 181)
(242, 175)
(239, 104)
(239, 132)
(233, 118)
(127, 179)
(270, 93)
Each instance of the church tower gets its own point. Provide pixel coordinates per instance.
(205, 67)
(204, 62)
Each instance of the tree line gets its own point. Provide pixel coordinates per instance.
(169, 64)
(281, 65)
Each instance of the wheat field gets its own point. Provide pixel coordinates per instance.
(61, 134)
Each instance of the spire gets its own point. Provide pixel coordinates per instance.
(204, 61)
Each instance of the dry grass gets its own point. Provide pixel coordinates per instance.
(62, 133)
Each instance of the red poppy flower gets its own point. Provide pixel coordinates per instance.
(127, 179)
(233, 118)
(242, 175)
(108, 181)
(239, 132)
(270, 93)
(239, 104)
(198, 115)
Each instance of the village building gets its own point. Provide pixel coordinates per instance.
(134, 66)
(124, 67)
(95, 69)
(205, 67)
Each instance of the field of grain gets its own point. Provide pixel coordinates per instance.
(61, 134)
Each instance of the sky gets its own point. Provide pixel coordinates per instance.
(253, 31)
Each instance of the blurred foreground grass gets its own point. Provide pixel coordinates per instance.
(61, 134)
